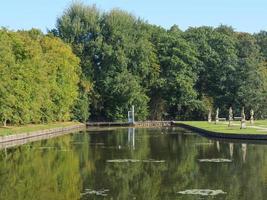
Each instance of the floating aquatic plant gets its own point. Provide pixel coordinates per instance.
(204, 143)
(134, 160)
(216, 160)
(122, 160)
(153, 161)
(202, 192)
(46, 147)
(102, 192)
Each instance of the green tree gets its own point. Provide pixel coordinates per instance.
(39, 78)
(175, 86)
(217, 67)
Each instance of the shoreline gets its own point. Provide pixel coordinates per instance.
(22, 138)
(16, 139)
(213, 134)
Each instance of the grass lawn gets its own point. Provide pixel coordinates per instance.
(33, 127)
(222, 127)
(262, 123)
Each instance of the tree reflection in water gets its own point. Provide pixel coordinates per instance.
(75, 167)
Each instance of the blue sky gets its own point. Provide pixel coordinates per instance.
(243, 15)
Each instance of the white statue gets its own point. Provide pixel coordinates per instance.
(217, 116)
(230, 116)
(243, 118)
(209, 116)
(252, 116)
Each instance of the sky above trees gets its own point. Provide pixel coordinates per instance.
(243, 15)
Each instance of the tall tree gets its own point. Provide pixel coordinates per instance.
(39, 78)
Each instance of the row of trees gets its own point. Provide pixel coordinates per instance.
(113, 60)
(39, 77)
(167, 74)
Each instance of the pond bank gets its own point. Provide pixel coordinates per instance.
(44, 130)
(223, 131)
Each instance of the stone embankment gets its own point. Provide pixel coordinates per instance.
(22, 138)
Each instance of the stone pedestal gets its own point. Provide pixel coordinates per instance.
(243, 124)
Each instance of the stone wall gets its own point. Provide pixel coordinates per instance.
(22, 138)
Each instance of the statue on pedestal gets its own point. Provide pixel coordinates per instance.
(230, 116)
(209, 116)
(243, 118)
(252, 116)
(217, 116)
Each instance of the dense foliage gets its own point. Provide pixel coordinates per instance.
(125, 61)
(166, 74)
(39, 77)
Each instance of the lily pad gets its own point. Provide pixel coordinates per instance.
(216, 160)
(153, 161)
(134, 161)
(202, 192)
(123, 161)
(102, 192)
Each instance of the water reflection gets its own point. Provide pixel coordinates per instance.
(168, 165)
(131, 137)
(244, 152)
(231, 149)
(218, 145)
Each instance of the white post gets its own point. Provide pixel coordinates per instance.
(133, 115)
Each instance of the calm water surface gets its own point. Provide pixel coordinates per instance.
(133, 164)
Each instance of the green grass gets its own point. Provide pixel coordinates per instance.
(262, 123)
(222, 127)
(33, 127)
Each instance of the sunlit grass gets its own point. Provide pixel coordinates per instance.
(33, 127)
(222, 127)
(262, 123)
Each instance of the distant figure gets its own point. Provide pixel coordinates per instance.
(252, 116)
(209, 116)
(243, 118)
(217, 116)
(230, 116)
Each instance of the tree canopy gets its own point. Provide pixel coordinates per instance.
(39, 77)
(95, 65)
(166, 74)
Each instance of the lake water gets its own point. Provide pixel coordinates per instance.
(143, 164)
